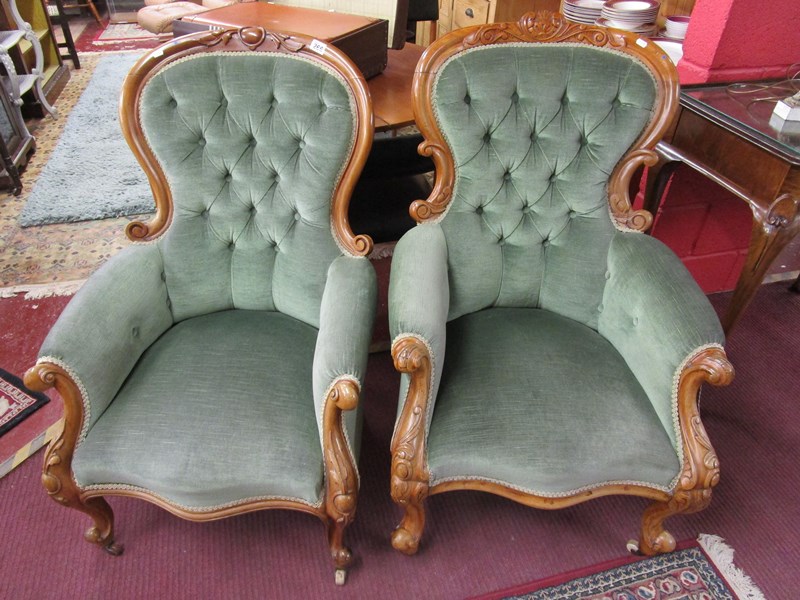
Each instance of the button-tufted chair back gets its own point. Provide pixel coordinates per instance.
(254, 152)
(532, 133)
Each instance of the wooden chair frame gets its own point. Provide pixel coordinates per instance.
(410, 480)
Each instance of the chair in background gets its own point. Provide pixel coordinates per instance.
(550, 352)
(217, 369)
(157, 16)
(82, 5)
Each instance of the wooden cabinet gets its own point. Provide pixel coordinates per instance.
(454, 14)
(55, 72)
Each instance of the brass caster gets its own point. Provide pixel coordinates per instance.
(113, 549)
(340, 576)
(633, 547)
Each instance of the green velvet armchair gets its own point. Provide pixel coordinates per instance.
(550, 352)
(217, 368)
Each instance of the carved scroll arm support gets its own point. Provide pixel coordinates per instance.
(410, 477)
(700, 472)
(341, 479)
(57, 469)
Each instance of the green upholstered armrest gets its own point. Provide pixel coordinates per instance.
(117, 314)
(419, 296)
(346, 317)
(655, 315)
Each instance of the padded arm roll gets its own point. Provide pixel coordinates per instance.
(347, 313)
(419, 296)
(117, 314)
(655, 315)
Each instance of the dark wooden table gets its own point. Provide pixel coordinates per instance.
(724, 132)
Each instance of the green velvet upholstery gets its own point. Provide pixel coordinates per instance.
(219, 409)
(253, 162)
(535, 132)
(203, 359)
(419, 296)
(656, 316)
(544, 404)
(346, 315)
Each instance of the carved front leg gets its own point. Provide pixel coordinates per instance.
(700, 465)
(57, 471)
(410, 478)
(342, 478)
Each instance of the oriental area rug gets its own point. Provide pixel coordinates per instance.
(16, 401)
(701, 570)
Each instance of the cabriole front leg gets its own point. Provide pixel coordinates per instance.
(57, 470)
(410, 477)
(341, 475)
(700, 465)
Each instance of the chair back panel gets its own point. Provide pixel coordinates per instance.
(535, 131)
(253, 146)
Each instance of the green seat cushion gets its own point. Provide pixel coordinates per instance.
(219, 409)
(542, 403)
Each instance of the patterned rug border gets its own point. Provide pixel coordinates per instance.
(720, 558)
(42, 290)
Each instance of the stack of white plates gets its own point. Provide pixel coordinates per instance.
(676, 27)
(638, 16)
(582, 11)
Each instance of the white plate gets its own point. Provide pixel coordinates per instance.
(673, 49)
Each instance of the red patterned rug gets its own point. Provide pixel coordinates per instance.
(16, 401)
(701, 570)
(115, 37)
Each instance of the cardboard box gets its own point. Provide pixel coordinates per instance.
(363, 39)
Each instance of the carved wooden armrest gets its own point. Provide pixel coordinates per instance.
(410, 477)
(57, 470)
(700, 471)
(340, 468)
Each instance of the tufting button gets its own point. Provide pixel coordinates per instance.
(253, 209)
(546, 243)
(487, 137)
(252, 143)
(201, 142)
(572, 214)
(173, 103)
(467, 99)
(501, 241)
(204, 214)
(507, 175)
(526, 208)
(301, 144)
(231, 245)
(228, 177)
(479, 210)
(515, 97)
(297, 216)
(553, 178)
